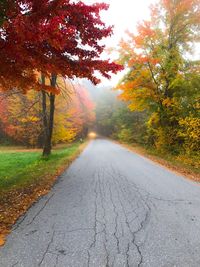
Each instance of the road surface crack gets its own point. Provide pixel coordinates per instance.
(40, 210)
(95, 218)
(88, 260)
(15, 264)
(47, 248)
(102, 193)
(127, 222)
(116, 220)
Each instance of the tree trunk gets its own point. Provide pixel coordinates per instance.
(52, 106)
(48, 121)
(46, 146)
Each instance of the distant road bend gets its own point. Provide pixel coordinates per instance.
(111, 208)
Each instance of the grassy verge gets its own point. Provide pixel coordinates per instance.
(25, 176)
(186, 165)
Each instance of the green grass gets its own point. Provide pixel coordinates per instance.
(21, 168)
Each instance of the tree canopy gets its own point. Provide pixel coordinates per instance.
(158, 70)
(59, 36)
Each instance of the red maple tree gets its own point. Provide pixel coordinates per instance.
(57, 36)
(52, 37)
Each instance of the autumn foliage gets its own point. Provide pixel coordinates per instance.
(161, 80)
(60, 37)
(39, 42)
(21, 116)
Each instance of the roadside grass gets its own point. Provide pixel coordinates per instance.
(19, 169)
(189, 163)
(186, 165)
(25, 176)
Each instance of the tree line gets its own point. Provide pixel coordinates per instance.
(21, 120)
(41, 41)
(160, 91)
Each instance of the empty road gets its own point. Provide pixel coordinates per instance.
(112, 207)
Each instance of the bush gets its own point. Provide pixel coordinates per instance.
(126, 135)
(190, 132)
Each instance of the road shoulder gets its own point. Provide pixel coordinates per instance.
(171, 166)
(15, 202)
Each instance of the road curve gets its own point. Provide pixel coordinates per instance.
(111, 208)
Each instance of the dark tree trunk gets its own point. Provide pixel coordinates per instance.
(48, 120)
(46, 146)
(52, 106)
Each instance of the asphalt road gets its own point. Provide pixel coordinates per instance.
(110, 208)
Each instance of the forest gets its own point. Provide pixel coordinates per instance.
(157, 102)
(52, 95)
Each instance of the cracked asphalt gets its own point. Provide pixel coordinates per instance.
(111, 208)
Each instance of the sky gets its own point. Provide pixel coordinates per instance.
(123, 15)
